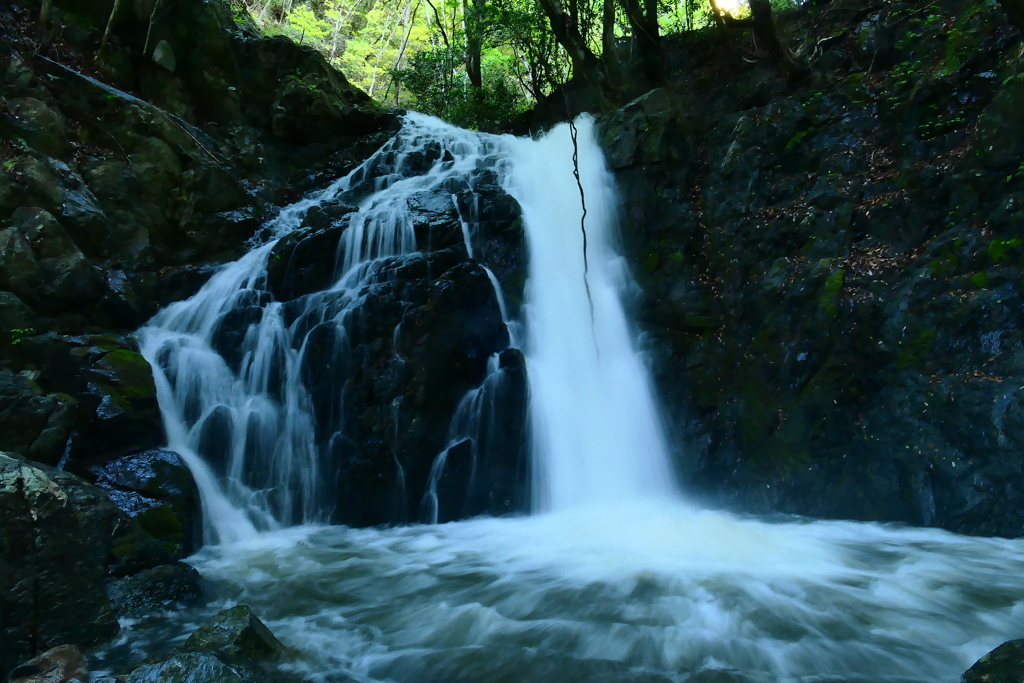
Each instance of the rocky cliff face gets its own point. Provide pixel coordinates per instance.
(831, 271)
(125, 178)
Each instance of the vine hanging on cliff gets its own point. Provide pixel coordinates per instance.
(583, 220)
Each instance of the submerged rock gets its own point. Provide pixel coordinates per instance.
(1005, 664)
(157, 588)
(194, 667)
(233, 633)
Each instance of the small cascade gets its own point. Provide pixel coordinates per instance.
(236, 369)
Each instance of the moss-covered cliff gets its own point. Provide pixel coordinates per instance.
(831, 270)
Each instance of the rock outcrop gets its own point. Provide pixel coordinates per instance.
(71, 561)
(1005, 664)
(233, 647)
(122, 179)
(831, 270)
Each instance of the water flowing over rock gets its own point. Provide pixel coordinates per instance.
(317, 377)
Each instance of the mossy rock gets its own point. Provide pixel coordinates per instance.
(160, 522)
(236, 632)
(1005, 664)
(131, 373)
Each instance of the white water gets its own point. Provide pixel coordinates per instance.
(268, 470)
(596, 436)
(618, 580)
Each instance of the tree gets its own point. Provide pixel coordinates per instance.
(768, 38)
(585, 64)
(643, 22)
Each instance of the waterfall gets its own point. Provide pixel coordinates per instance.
(236, 368)
(619, 580)
(597, 438)
(238, 408)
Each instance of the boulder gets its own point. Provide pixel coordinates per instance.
(1005, 664)
(16, 318)
(161, 587)
(235, 633)
(194, 667)
(155, 488)
(61, 664)
(63, 276)
(54, 590)
(39, 125)
(33, 424)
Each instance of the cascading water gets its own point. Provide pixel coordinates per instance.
(618, 580)
(243, 417)
(596, 435)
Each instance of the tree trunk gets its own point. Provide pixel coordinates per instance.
(585, 63)
(110, 25)
(44, 14)
(643, 22)
(716, 13)
(1014, 10)
(768, 38)
(608, 30)
(474, 43)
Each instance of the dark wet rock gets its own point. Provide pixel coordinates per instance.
(436, 221)
(305, 261)
(116, 542)
(829, 280)
(57, 274)
(1005, 664)
(161, 587)
(33, 424)
(54, 586)
(194, 667)
(497, 236)
(156, 489)
(181, 282)
(60, 664)
(39, 125)
(235, 633)
(16, 318)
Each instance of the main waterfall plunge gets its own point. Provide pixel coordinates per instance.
(616, 579)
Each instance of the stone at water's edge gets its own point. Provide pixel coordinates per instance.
(53, 584)
(61, 664)
(193, 667)
(236, 632)
(1005, 664)
(66, 550)
(230, 648)
(161, 587)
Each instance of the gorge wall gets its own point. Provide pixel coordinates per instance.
(831, 270)
(829, 281)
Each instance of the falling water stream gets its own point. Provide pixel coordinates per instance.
(615, 577)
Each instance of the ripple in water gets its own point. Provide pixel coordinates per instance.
(638, 593)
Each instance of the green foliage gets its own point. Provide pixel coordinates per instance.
(830, 292)
(997, 249)
(20, 333)
(438, 83)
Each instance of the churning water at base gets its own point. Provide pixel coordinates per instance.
(628, 593)
(618, 580)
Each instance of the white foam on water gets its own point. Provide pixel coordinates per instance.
(618, 579)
